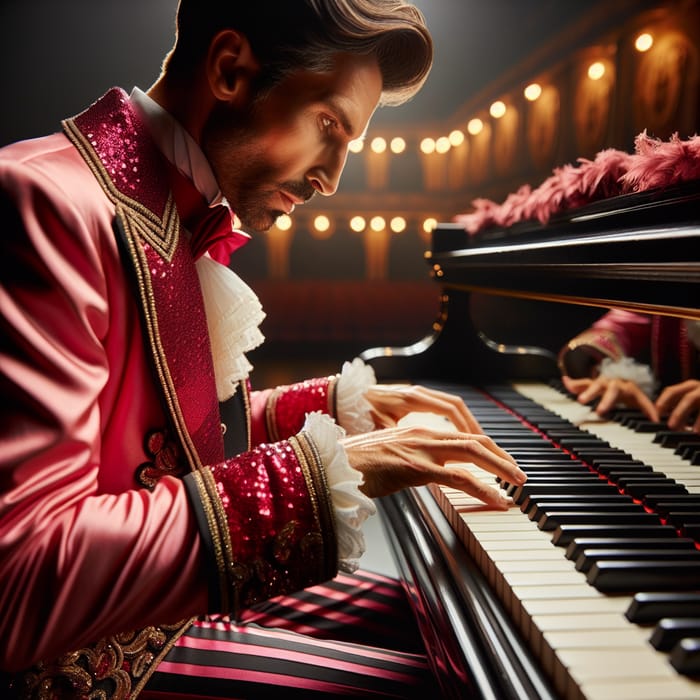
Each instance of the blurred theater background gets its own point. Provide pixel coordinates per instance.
(519, 87)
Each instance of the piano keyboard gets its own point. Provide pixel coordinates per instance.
(580, 635)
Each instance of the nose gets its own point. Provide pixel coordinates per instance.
(325, 177)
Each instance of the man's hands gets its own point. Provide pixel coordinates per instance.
(391, 402)
(396, 458)
(678, 402)
(611, 392)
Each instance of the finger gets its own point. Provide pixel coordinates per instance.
(454, 408)
(609, 399)
(594, 390)
(576, 386)
(481, 451)
(460, 478)
(680, 415)
(646, 405)
(668, 398)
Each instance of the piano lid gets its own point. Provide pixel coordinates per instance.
(637, 251)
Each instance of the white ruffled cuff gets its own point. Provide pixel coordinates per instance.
(350, 505)
(354, 411)
(627, 368)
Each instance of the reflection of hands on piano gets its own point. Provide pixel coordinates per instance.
(681, 402)
(392, 402)
(611, 391)
(396, 458)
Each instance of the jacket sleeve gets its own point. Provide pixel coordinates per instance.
(616, 335)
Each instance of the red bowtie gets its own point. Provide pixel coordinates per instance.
(211, 228)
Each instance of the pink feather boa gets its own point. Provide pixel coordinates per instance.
(654, 164)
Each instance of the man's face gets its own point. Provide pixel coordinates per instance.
(293, 142)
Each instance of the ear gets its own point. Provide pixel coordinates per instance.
(231, 67)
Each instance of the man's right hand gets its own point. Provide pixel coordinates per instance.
(396, 458)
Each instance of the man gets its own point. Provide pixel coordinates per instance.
(147, 493)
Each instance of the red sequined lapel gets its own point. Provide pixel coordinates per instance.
(115, 144)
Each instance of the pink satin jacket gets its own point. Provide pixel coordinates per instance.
(118, 510)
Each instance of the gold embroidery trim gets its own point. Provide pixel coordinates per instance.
(218, 529)
(161, 233)
(141, 268)
(114, 668)
(319, 493)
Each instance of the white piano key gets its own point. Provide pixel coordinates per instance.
(669, 689)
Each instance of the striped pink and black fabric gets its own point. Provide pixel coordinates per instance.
(354, 636)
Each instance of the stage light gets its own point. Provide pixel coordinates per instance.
(644, 42)
(427, 145)
(378, 144)
(475, 126)
(596, 70)
(497, 109)
(398, 224)
(532, 91)
(357, 224)
(377, 223)
(398, 145)
(284, 222)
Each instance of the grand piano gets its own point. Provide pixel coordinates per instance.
(551, 599)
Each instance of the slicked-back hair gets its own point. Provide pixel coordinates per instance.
(291, 35)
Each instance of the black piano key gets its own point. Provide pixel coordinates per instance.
(607, 468)
(685, 656)
(682, 518)
(644, 426)
(552, 455)
(690, 452)
(632, 576)
(592, 487)
(564, 534)
(669, 631)
(537, 502)
(580, 544)
(552, 520)
(623, 477)
(692, 531)
(651, 499)
(600, 454)
(582, 442)
(512, 442)
(671, 438)
(539, 511)
(589, 556)
(566, 481)
(641, 489)
(648, 608)
(621, 414)
(687, 502)
(635, 479)
(620, 460)
(686, 450)
(560, 468)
